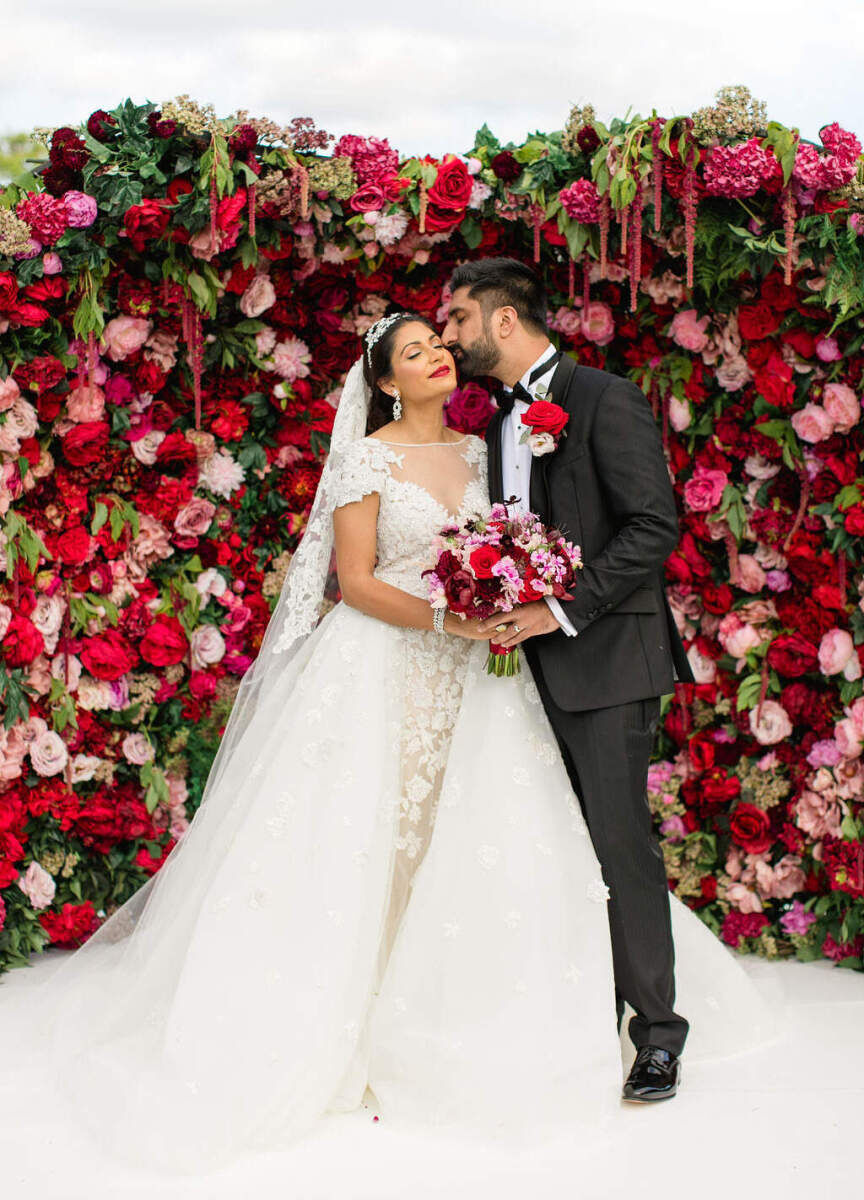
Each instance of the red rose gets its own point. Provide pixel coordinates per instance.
(792, 655)
(778, 294)
(53, 287)
(86, 443)
(72, 926)
(22, 642)
(545, 417)
(145, 221)
(483, 559)
(28, 314)
(8, 290)
(802, 342)
(368, 198)
(178, 188)
(853, 520)
(108, 655)
(451, 190)
(750, 828)
(74, 546)
(757, 321)
(164, 642)
(717, 598)
(775, 384)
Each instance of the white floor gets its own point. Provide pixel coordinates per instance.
(785, 1123)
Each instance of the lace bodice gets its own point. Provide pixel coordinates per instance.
(421, 488)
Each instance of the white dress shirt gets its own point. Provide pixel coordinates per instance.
(516, 459)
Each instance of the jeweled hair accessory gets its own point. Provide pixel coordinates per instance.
(374, 332)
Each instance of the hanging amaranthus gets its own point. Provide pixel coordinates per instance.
(636, 242)
(623, 215)
(538, 212)
(303, 179)
(657, 166)
(604, 233)
(789, 231)
(690, 205)
(194, 340)
(804, 479)
(254, 166)
(586, 280)
(424, 204)
(571, 280)
(214, 197)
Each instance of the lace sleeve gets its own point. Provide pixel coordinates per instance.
(362, 470)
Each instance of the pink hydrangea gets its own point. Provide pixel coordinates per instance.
(45, 214)
(373, 158)
(738, 170)
(581, 201)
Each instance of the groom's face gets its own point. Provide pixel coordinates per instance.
(468, 335)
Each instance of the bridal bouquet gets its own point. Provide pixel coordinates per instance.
(492, 564)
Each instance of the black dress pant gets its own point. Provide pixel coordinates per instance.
(606, 752)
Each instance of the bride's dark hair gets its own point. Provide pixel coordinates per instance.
(381, 367)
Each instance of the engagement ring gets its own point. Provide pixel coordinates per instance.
(500, 628)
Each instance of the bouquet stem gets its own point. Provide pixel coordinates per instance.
(502, 662)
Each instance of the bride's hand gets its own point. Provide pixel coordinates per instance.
(469, 628)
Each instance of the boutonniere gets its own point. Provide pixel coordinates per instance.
(545, 423)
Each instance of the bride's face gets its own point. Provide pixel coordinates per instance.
(422, 367)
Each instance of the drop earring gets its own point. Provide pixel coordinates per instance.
(397, 406)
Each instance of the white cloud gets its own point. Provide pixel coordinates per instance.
(427, 77)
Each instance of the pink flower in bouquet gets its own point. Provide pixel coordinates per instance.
(704, 489)
(37, 885)
(679, 413)
(688, 330)
(137, 749)
(124, 335)
(52, 263)
(81, 209)
(194, 518)
(259, 295)
(581, 201)
(812, 423)
(818, 813)
(206, 646)
(598, 324)
(373, 159)
(842, 406)
(751, 577)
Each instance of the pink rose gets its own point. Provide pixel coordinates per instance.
(598, 324)
(9, 393)
(688, 330)
(679, 413)
(85, 404)
(751, 577)
(774, 725)
(827, 349)
(835, 650)
(206, 646)
(818, 813)
(259, 295)
(48, 754)
(124, 335)
(733, 373)
(704, 489)
(194, 518)
(736, 636)
(812, 423)
(52, 263)
(81, 209)
(743, 898)
(841, 405)
(37, 885)
(137, 750)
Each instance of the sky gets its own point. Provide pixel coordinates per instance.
(428, 76)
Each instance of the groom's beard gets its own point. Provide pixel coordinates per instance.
(480, 358)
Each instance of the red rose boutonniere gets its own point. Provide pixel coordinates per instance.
(545, 423)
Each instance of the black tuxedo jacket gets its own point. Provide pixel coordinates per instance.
(607, 488)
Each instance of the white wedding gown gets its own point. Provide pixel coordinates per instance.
(402, 894)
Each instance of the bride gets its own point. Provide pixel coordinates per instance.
(389, 883)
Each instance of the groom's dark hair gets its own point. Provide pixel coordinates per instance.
(493, 282)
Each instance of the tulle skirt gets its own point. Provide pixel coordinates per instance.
(259, 981)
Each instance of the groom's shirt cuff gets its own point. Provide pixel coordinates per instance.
(558, 614)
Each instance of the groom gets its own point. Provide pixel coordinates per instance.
(602, 660)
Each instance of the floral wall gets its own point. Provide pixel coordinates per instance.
(180, 299)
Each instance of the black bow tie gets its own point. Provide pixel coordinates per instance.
(506, 397)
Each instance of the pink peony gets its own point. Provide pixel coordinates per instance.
(841, 405)
(737, 637)
(259, 295)
(598, 324)
(812, 423)
(85, 404)
(704, 489)
(818, 813)
(52, 263)
(290, 359)
(81, 209)
(124, 335)
(37, 885)
(827, 349)
(835, 650)
(751, 577)
(688, 330)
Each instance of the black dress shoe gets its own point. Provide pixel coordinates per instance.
(655, 1075)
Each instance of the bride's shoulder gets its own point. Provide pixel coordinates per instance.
(475, 448)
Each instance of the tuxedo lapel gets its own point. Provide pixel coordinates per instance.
(493, 447)
(539, 480)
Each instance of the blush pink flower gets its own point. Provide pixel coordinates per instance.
(818, 813)
(598, 324)
(137, 750)
(37, 885)
(259, 295)
(773, 726)
(85, 404)
(812, 423)
(835, 650)
(842, 406)
(688, 330)
(737, 637)
(291, 359)
(704, 489)
(48, 754)
(194, 518)
(124, 335)
(9, 393)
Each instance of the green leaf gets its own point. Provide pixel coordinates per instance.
(100, 516)
(748, 692)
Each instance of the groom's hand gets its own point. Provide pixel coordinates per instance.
(533, 619)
